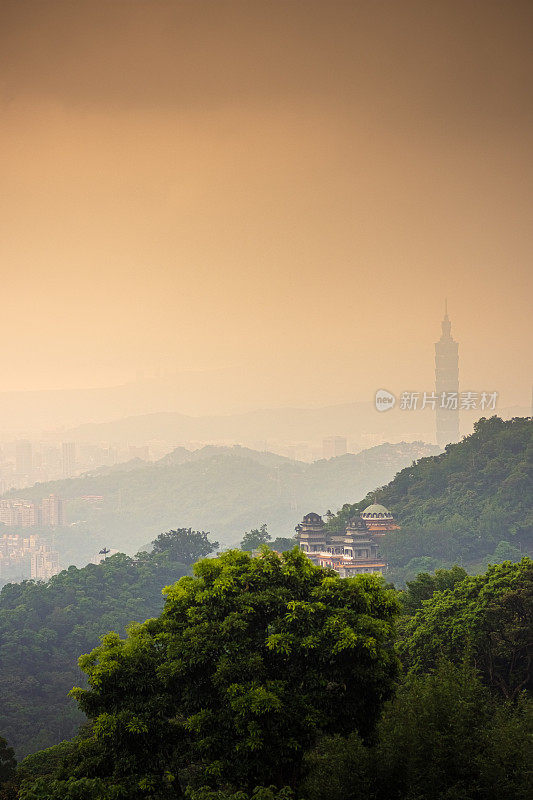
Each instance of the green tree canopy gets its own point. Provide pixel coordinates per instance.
(45, 626)
(8, 767)
(8, 762)
(283, 543)
(482, 483)
(255, 538)
(489, 616)
(504, 551)
(424, 586)
(251, 659)
(184, 545)
(445, 736)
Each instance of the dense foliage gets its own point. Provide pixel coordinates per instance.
(253, 539)
(183, 545)
(263, 679)
(472, 504)
(488, 618)
(249, 663)
(425, 585)
(443, 737)
(45, 626)
(8, 767)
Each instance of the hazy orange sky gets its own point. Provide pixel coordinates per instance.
(286, 186)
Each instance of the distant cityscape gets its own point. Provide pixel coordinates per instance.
(25, 462)
(23, 557)
(27, 514)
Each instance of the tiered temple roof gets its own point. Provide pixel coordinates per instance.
(350, 551)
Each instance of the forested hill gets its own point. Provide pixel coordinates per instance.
(485, 481)
(224, 490)
(471, 504)
(44, 627)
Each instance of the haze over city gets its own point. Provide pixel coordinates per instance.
(278, 196)
(266, 431)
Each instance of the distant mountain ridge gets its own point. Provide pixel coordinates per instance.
(284, 425)
(225, 490)
(267, 424)
(181, 455)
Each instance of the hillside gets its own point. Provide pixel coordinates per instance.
(224, 490)
(44, 627)
(465, 503)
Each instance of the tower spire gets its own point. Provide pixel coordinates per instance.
(447, 383)
(446, 325)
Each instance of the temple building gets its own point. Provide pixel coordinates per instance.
(349, 552)
(378, 519)
(447, 384)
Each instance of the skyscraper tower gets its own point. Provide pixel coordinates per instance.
(68, 458)
(447, 384)
(23, 457)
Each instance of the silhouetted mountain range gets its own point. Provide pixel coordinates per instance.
(226, 490)
(353, 420)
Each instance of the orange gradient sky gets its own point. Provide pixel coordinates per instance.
(291, 187)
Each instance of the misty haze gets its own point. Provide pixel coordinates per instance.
(266, 479)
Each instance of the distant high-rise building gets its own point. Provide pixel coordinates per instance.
(447, 384)
(68, 459)
(52, 511)
(44, 562)
(23, 457)
(334, 446)
(23, 557)
(23, 513)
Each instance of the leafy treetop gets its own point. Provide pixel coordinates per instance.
(255, 538)
(184, 545)
(250, 661)
(424, 586)
(486, 617)
(8, 763)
